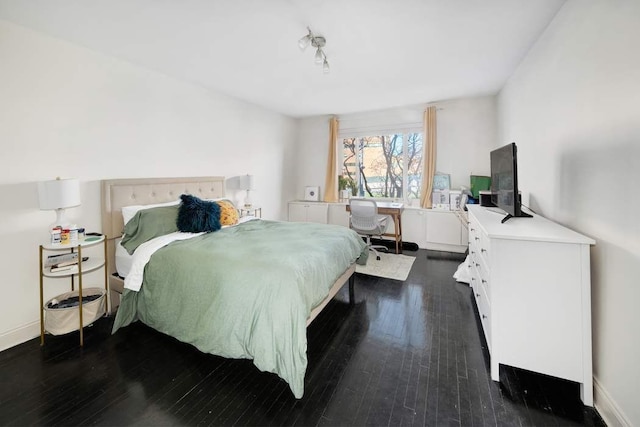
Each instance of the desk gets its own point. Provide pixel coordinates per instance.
(394, 210)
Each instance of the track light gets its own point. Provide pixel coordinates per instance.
(318, 42)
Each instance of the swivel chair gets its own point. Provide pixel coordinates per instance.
(365, 220)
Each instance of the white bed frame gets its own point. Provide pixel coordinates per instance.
(117, 193)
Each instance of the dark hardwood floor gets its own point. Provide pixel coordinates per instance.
(407, 353)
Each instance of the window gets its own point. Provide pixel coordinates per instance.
(383, 166)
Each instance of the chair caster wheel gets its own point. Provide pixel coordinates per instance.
(378, 257)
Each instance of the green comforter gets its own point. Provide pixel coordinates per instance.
(244, 291)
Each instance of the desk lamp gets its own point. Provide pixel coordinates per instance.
(58, 195)
(246, 183)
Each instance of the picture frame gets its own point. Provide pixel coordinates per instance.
(441, 181)
(312, 193)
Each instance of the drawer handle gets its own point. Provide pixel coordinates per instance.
(478, 295)
(477, 238)
(473, 252)
(473, 278)
(477, 265)
(484, 281)
(473, 229)
(483, 250)
(484, 316)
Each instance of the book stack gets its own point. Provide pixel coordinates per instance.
(63, 262)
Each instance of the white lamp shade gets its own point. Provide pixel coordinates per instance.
(246, 182)
(304, 42)
(59, 194)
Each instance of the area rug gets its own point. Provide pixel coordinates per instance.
(390, 266)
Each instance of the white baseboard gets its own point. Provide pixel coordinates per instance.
(607, 408)
(19, 335)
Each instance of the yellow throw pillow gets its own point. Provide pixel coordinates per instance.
(228, 213)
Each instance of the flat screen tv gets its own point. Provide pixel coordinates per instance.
(504, 181)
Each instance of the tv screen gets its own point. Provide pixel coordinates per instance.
(504, 181)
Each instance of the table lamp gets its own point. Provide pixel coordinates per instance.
(58, 195)
(246, 183)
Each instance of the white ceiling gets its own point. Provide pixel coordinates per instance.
(382, 53)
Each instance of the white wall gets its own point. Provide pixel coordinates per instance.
(67, 111)
(466, 133)
(572, 107)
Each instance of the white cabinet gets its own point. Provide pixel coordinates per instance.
(338, 214)
(445, 231)
(308, 212)
(531, 282)
(414, 226)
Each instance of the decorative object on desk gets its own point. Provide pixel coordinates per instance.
(479, 183)
(441, 181)
(440, 197)
(463, 201)
(391, 266)
(454, 199)
(59, 194)
(347, 187)
(246, 183)
(312, 194)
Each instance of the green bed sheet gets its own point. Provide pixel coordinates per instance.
(244, 291)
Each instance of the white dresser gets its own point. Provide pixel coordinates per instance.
(531, 282)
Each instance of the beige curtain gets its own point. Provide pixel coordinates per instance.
(331, 180)
(428, 156)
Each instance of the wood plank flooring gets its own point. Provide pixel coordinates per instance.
(406, 354)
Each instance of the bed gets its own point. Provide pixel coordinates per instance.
(245, 291)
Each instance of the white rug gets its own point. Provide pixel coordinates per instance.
(391, 266)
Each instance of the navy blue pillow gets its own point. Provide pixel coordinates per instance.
(196, 215)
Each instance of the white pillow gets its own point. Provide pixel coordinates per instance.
(128, 212)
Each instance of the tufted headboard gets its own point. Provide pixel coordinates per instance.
(117, 193)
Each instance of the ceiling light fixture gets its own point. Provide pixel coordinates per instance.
(318, 42)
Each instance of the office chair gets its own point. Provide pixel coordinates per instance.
(365, 220)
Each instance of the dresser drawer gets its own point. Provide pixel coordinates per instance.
(483, 276)
(484, 248)
(484, 312)
(474, 235)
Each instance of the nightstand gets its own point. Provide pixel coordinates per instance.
(77, 271)
(253, 210)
